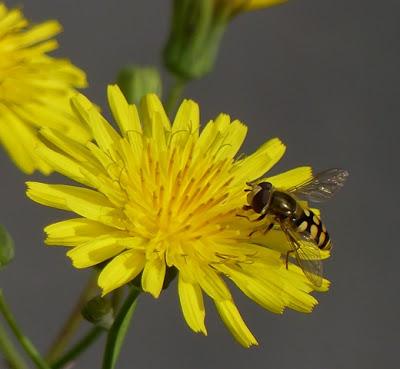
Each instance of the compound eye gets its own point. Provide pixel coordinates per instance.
(261, 199)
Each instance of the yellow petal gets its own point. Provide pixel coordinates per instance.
(258, 4)
(291, 178)
(221, 138)
(87, 203)
(106, 137)
(154, 120)
(187, 122)
(95, 251)
(234, 322)
(260, 162)
(69, 146)
(192, 304)
(40, 33)
(125, 115)
(259, 291)
(62, 164)
(210, 281)
(121, 270)
(153, 276)
(232, 140)
(73, 232)
(20, 141)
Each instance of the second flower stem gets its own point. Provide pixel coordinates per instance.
(73, 321)
(174, 95)
(78, 348)
(26, 344)
(11, 355)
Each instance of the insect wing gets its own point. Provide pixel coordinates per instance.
(322, 186)
(307, 254)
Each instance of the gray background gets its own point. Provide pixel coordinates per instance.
(320, 74)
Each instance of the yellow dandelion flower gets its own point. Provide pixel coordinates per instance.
(162, 195)
(34, 88)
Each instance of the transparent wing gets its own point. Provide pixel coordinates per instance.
(306, 253)
(322, 186)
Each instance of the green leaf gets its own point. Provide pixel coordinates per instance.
(6, 247)
(119, 329)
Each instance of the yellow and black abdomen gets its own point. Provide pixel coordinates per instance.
(310, 224)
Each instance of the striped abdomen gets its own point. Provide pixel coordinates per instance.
(310, 224)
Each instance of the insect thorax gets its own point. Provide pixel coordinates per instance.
(283, 205)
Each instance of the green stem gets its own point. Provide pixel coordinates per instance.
(24, 341)
(116, 299)
(175, 94)
(118, 330)
(11, 355)
(78, 348)
(72, 323)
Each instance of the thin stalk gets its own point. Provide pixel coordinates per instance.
(116, 334)
(26, 344)
(72, 323)
(117, 299)
(175, 94)
(78, 348)
(10, 353)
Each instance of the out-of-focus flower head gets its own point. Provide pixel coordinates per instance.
(35, 88)
(161, 197)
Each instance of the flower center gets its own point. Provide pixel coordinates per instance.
(182, 196)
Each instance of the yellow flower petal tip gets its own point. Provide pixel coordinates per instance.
(160, 196)
(259, 4)
(35, 89)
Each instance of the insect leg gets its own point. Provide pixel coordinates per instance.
(270, 226)
(261, 217)
(287, 258)
(243, 216)
(292, 242)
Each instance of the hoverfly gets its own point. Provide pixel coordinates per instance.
(304, 230)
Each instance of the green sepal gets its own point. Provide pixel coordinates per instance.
(136, 81)
(6, 247)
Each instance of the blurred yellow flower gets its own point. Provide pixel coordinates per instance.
(164, 195)
(34, 88)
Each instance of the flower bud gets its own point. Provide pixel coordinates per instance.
(135, 82)
(99, 311)
(196, 31)
(197, 28)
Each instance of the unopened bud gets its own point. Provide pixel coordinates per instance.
(136, 82)
(99, 311)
